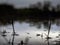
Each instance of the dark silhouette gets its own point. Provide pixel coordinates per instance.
(38, 34)
(22, 42)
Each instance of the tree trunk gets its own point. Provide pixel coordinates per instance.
(49, 27)
(13, 33)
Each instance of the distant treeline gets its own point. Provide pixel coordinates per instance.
(8, 12)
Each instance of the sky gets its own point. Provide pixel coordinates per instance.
(25, 3)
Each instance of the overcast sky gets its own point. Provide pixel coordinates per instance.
(24, 3)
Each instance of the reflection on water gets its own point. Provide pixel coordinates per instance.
(26, 35)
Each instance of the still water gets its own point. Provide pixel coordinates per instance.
(29, 34)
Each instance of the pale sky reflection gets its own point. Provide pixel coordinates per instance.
(24, 28)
